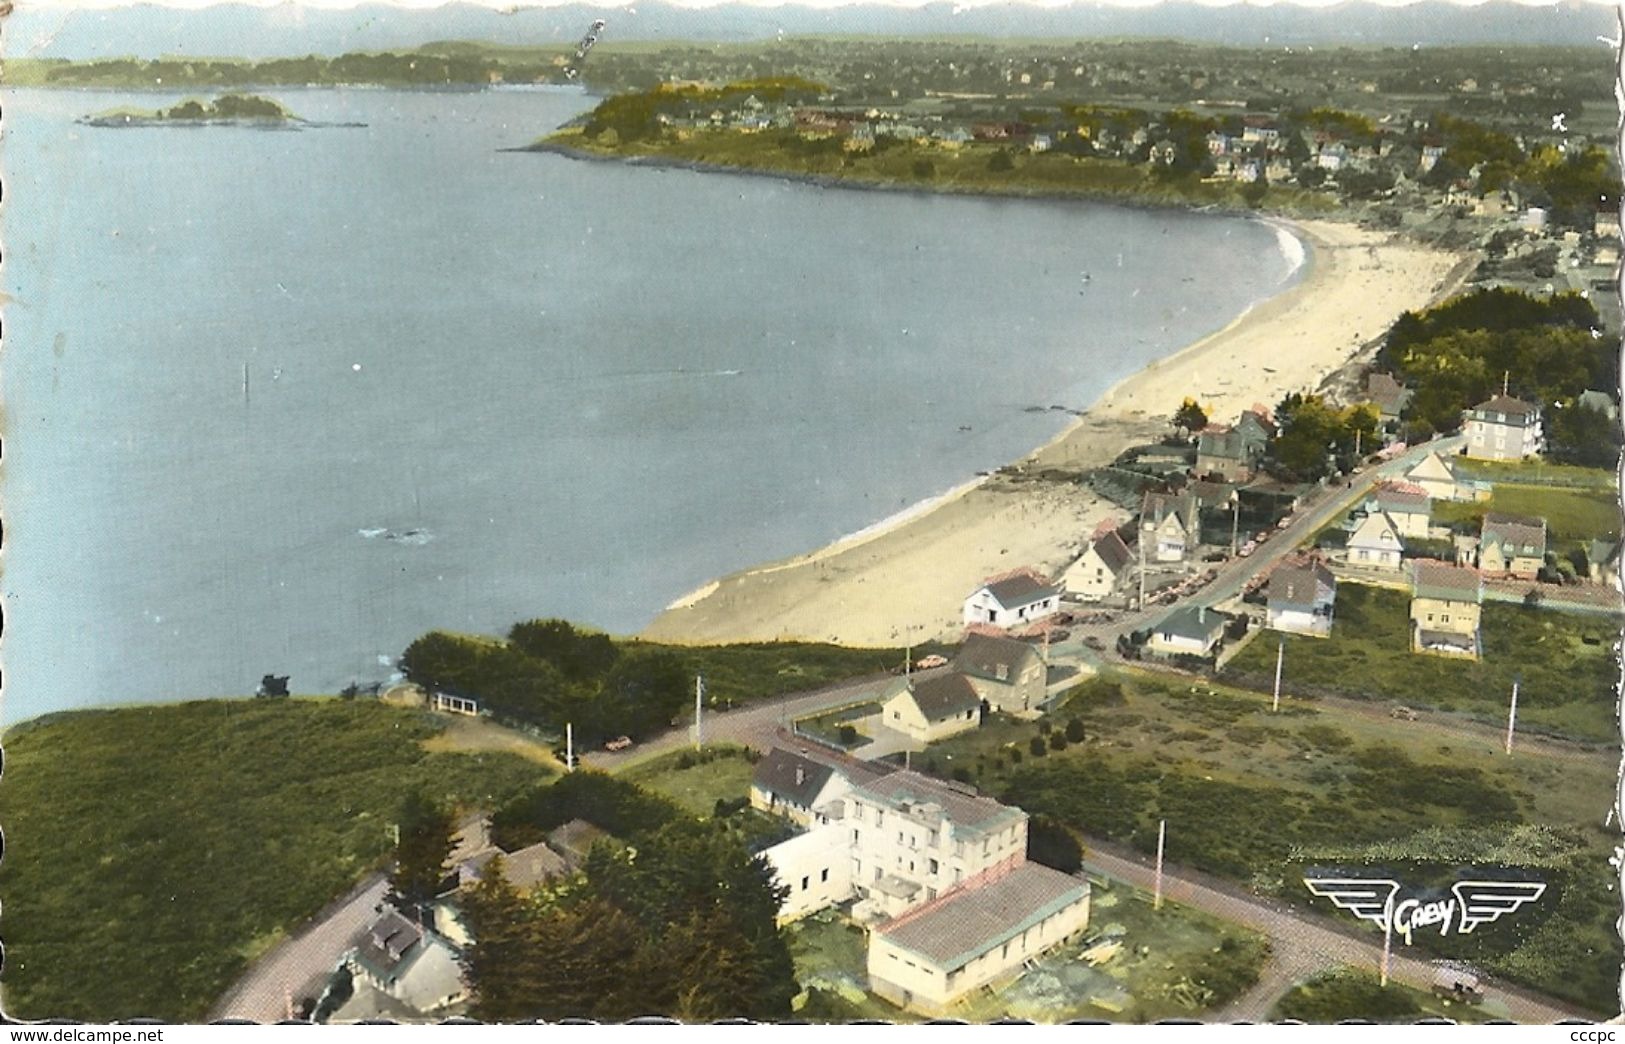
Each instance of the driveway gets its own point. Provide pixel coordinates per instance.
(281, 977)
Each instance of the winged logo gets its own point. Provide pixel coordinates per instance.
(1485, 901)
(1369, 898)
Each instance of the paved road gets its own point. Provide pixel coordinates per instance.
(262, 994)
(1304, 943)
(751, 726)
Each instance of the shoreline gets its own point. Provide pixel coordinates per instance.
(902, 578)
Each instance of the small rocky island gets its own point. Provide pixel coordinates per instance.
(236, 110)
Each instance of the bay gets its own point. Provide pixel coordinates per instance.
(284, 400)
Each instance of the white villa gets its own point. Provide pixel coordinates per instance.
(1099, 571)
(1375, 543)
(1438, 479)
(1013, 601)
(930, 709)
(1504, 428)
(941, 874)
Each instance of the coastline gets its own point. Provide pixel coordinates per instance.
(903, 578)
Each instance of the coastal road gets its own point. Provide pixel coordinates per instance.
(751, 726)
(1234, 574)
(287, 971)
(1304, 943)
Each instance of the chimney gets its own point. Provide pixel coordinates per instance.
(801, 775)
(1201, 614)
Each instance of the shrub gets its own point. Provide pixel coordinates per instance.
(1057, 741)
(848, 735)
(1037, 747)
(962, 774)
(1074, 731)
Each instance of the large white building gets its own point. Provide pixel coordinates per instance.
(941, 874)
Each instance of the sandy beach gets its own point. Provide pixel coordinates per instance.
(904, 582)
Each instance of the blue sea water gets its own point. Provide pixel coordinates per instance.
(284, 400)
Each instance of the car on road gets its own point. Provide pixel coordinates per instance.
(925, 663)
(618, 743)
(1402, 713)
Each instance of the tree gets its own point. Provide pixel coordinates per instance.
(273, 685)
(1581, 435)
(1190, 416)
(1037, 747)
(1075, 731)
(421, 852)
(1052, 844)
(1000, 162)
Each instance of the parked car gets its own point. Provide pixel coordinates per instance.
(618, 743)
(925, 663)
(1403, 713)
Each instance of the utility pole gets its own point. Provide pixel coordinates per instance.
(1141, 604)
(699, 696)
(1512, 713)
(1156, 888)
(569, 747)
(1235, 522)
(1280, 657)
(1387, 934)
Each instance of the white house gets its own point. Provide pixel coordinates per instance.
(1301, 599)
(930, 709)
(1375, 543)
(816, 867)
(1013, 601)
(1438, 479)
(1504, 428)
(1099, 571)
(929, 958)
(408, 962)
(1188, 631)
(1168, 526)
(1407, 506)
(806, 784)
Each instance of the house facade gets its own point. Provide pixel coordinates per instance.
(930, 709)
(1009, 675)
(1511, 545)
(927, 959)
(793, 785)
(1375, 543)
(1503, 428)
(1168, 526)
(1301, 599)
(1188, 631)
(1388, 395)
(1446, 603)
(1407, 506)
(1013, 601)
(1223, 451)
(1438, 479)
(1100, 571)
(814, 867)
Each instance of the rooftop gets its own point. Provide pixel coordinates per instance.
(972, 921)
(1303, 584)
(1515, 410)
(996, 659)
(1197, 622)
(1516, 533)
(907, 790)
(1021, 589)
(944, 696)
(1449, 583)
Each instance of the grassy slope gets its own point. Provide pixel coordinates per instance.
(1568, 685)
(1573, 517)
(1252, 796)
(723, 774)
(151, 852)
(963, 170)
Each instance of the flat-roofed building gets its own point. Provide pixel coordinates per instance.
(929, 958)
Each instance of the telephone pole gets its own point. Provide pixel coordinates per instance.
(1387, 934)
(1235, 522)
(1156, 888)
(699, 696)
(569, 747)
(1141, 604)
(1280, 658)
(1512, 713)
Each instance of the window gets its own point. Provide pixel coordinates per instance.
(804, 882)
(877, 873)
(933, 865)
(823, 875)
(930, 894)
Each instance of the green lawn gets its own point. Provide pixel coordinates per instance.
(1348, 993)
(1573, 517)
(696, 782)
(152, 851)
(1536, 473)
(1258, 797)
(1568, 682)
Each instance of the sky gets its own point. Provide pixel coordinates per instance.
(42, 5)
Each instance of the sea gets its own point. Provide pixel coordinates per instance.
(280, 401)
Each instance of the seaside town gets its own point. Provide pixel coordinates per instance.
(1331, 599)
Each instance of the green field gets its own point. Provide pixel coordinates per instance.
(1566, 661)
(1257, 797)
(1536, 473)
(152, 852)
(696, 782)
(1574, 517)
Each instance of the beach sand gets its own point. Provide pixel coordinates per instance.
(905, 582)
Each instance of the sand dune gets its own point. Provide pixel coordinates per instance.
(905, 583)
